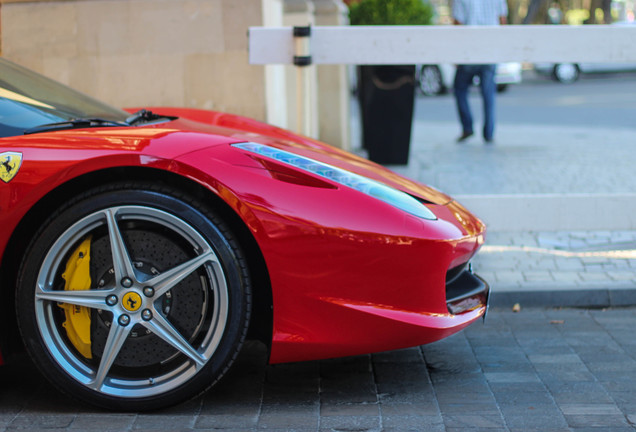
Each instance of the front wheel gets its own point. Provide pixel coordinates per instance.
(133, 297)
(566, 73)
(430, 80)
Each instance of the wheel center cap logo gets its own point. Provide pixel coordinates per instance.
(131, 301)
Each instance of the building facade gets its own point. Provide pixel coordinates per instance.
(191, 53)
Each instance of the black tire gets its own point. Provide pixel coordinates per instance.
(168, 305)
(502, 88)
(566, 73)
(430, 81)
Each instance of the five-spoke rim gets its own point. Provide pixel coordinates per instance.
(134, 299)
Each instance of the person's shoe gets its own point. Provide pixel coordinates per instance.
(489, 141)
(464, 137)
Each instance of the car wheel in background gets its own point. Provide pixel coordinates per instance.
(502, 87)
(566, 73)
(430, 80)
(133, 297)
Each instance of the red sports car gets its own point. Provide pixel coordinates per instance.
(140, 248)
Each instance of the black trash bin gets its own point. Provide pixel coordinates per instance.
(386, 95)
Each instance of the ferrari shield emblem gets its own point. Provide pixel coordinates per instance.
(9, 165)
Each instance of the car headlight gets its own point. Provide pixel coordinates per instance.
(375, 189)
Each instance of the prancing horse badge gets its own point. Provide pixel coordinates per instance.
(9, 165)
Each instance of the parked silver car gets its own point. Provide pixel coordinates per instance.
(570, 72)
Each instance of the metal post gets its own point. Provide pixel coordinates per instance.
(302, 58)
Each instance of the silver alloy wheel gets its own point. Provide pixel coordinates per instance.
(191, 351)
(431, 80)
(566, 73)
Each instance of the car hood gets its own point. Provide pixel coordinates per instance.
(240, 129)
(197, 129)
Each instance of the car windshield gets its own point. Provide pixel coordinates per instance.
(28, 100)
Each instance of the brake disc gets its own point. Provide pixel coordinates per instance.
(184, 306)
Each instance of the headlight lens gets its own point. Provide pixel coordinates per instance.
(375, 189)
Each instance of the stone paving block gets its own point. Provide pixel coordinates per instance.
(223, 421)
(559, 367)
(507, 366)
(590, 409)
(537, 276)
(524, 239)
(544, 264)
(474, 429)
(451, 397)
(572, 264)
(350, 423)
(566, 377)
(620, 265)
(595, 261)
(292, 416)
(428, 422)
(534, 418)
(349, 409)
(596, 421)
(103, 422)
(483, 262)
(431, 428)
(474, 421)
(349, 396)
(617, 365)
(524, 399)
(568, 359)
(561, 276)
(469, 408)
(614, 384)
(625, 400)
(169, 422)
(511, 377)
(42, 421)
(622, 275)
(575, 397)
(155, 429)
(506, 277)
(595, 276)
(409, 355)
(417, 408)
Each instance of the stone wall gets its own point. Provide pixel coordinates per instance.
(142, 52)
(191, 53)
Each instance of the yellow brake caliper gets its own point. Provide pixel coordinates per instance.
(78, 318)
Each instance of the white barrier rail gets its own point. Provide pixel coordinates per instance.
(447, 44)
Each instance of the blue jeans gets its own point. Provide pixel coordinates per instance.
(463, 80)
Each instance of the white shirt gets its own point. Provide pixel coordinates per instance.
(479, 12)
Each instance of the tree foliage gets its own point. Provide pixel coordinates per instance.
(391, 12)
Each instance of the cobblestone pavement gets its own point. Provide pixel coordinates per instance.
(562, 268)
(527, 159)
(536, 370)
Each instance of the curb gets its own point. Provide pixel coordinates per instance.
(554, 212)
(556, 296)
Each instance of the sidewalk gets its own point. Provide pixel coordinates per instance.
(560, 204)
(560, 268)
(537, 370)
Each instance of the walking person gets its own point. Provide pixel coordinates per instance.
(477, 12)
